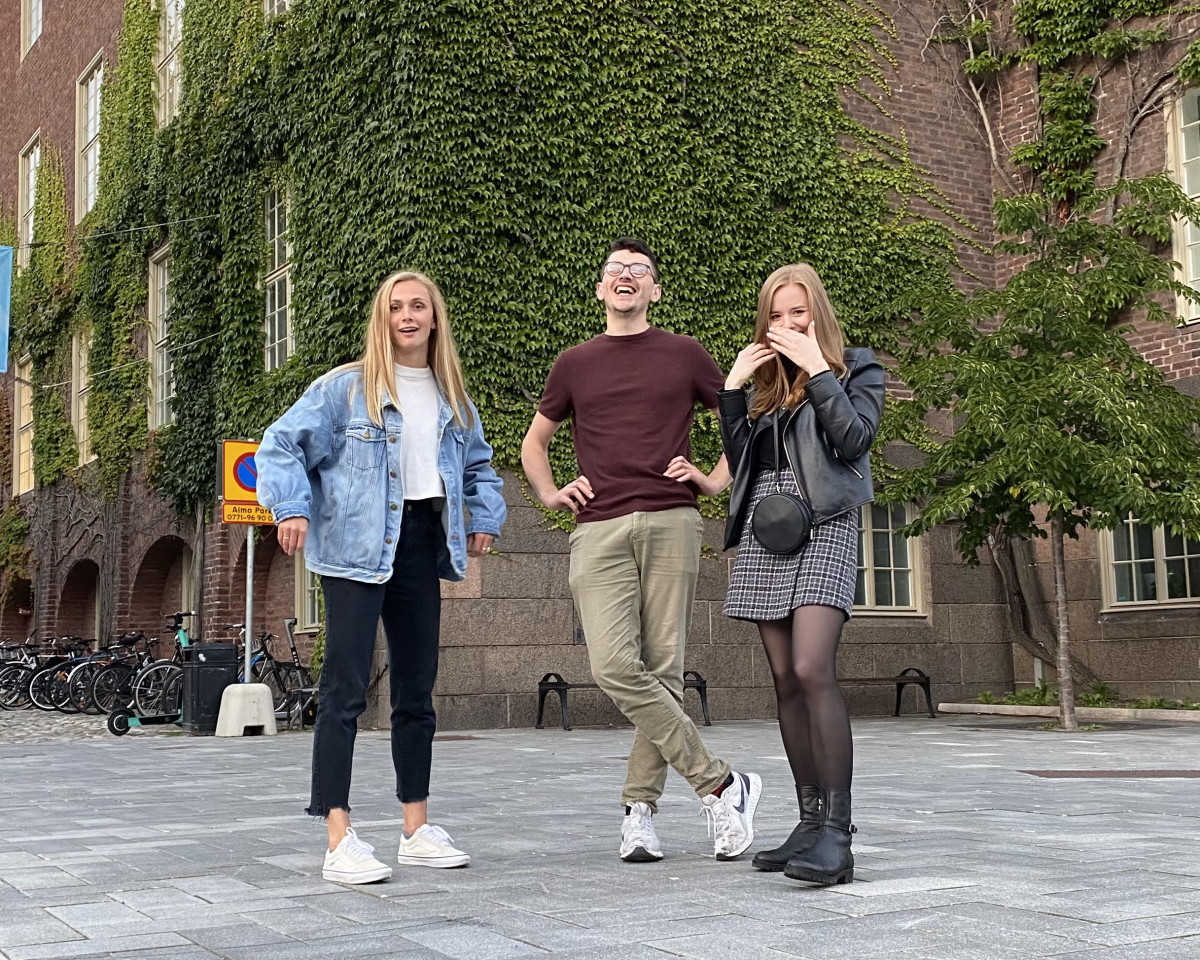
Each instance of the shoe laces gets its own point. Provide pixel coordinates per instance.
(357, 848)
(720, 823)
(437, 833)
(638, 825)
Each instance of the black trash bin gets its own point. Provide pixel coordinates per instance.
(208, 668)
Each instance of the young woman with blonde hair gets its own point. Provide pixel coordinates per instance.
(804, 434)
(381, 473)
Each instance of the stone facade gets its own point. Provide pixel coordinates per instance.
(109, 565)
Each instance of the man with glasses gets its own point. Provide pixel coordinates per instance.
(635, 553)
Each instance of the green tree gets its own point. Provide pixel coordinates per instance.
(1056, 417)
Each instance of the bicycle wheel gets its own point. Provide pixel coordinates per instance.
(171, 700)
(39, 688)
(81, 686)
(60, 689)
(14, 687)
(111, 687)
(269, 674)
(153, 685)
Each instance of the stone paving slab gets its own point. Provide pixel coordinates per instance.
(166, 847)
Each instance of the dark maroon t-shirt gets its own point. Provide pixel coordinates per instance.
(631, 401)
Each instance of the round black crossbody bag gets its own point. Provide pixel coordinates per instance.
(782, 522)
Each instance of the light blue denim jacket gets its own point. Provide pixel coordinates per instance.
(325, 460)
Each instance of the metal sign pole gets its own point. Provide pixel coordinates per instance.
(249, 599)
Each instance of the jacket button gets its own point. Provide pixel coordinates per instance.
(387, 539)
(392, 474)
(393, 506)
(391, 439)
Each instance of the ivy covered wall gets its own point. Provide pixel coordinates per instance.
(496, 145)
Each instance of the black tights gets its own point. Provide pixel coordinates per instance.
(814, 724)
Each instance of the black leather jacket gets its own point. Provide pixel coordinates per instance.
(827, 441)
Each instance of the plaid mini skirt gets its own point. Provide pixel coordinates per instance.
(769, 586)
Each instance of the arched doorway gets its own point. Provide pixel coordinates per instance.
(16, 615)
(79, 602)
(163, 586)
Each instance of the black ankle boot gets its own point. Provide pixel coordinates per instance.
(828, 860)
(803, 837)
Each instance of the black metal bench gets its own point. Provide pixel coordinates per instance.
(554, 683)
(901, 680)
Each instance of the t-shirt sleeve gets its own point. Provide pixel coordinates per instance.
(556, 402)
(707, 378)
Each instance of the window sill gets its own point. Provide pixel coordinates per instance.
(899, 613)
(1152, 606)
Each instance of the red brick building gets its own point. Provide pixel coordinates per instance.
(117, 564)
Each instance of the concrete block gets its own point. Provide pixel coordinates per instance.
(713, 582)
(722, 665)
(475, 623)
(700, 630)
(1167, 659)
(976, 622)
(727, 630)
(526, 575)
(246, 710)
(527, 531)
(470, 586)
(957, 583)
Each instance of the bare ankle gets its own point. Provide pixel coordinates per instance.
(337, 823)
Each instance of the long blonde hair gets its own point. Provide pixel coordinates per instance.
(377, 363)
(780, 382)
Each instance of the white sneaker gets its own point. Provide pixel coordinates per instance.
(352, 861)
(731, 815)
(639, 842)
(430, 846)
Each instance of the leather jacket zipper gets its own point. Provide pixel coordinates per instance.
(787, 453)
(845, 463)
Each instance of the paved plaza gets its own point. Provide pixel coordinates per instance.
(176, 848)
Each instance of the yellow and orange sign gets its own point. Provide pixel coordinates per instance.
(237, 478)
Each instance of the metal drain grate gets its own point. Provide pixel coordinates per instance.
(1115, 774)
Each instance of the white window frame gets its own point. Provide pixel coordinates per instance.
(162, 366)
(81, 384)
(31, 24)
(1187, 235)
(27, 173)
(87, 136)
(278, 328)
(168, 72)
(273, 8)
(308, 589)
(23, 478)
(1109, 564)
(867, 565)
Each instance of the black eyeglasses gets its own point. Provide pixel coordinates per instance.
(614, 268)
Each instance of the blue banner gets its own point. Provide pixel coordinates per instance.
(6, 267)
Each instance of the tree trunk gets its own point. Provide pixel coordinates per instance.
(1066, 686)
(196, 600)
(1028, 625)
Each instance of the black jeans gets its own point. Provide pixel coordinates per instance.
(410, 604)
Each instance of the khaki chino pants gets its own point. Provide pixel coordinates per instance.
(634, 581)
